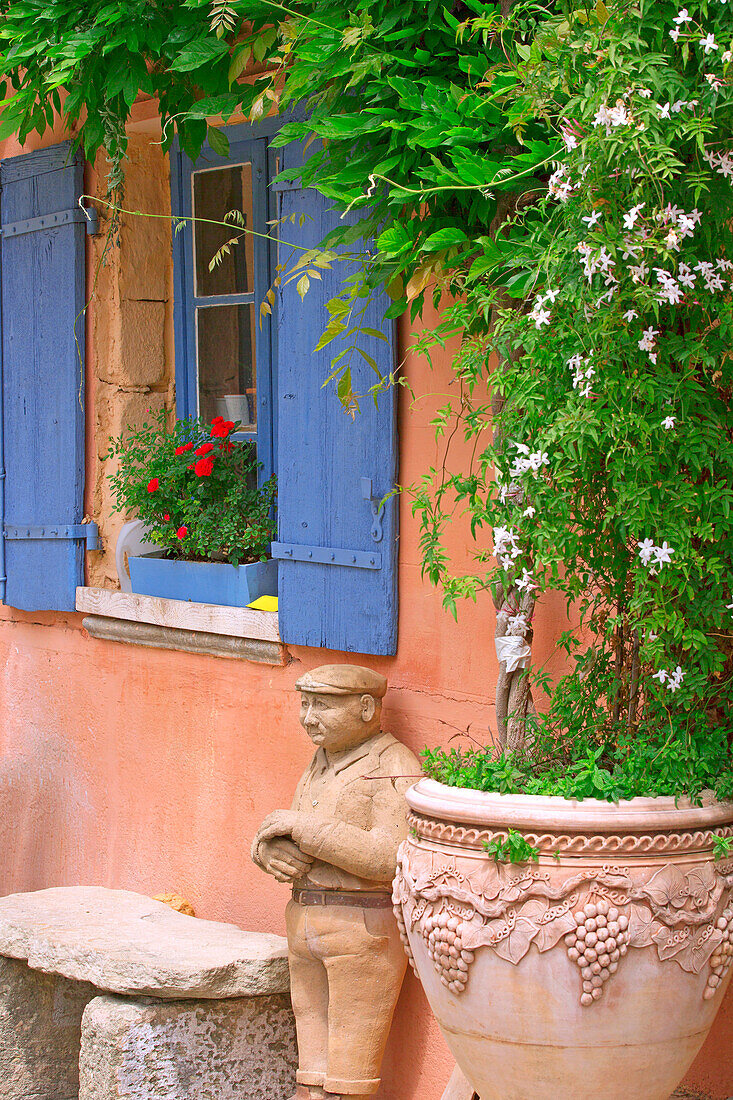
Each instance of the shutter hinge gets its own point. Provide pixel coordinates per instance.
(327, 555)
(86, 531)
(88, 215)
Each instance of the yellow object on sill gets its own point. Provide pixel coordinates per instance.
(264, 603)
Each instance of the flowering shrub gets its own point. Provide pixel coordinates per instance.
(610, 473)
(196, 489)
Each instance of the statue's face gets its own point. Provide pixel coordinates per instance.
(337, 722)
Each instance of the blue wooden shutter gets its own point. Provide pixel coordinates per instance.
(337, 582)
(42, 287)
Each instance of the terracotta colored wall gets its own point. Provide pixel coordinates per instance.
(150, 769)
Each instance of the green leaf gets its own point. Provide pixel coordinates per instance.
(239, 61)
(302, 286)
(218, 141)
(199, 53)
(444, 238)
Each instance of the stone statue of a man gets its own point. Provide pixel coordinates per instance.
(337, 847)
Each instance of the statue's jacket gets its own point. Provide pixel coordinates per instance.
(353, 815)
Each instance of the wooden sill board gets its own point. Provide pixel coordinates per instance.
(234, 622)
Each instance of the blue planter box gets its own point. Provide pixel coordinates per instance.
(203, 581)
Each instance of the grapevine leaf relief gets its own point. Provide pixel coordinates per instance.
(686, 916)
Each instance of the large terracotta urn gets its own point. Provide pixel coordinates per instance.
(594, 973)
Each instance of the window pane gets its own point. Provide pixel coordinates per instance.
(215, 193)
(227, 371)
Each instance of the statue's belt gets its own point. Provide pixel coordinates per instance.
(362, 899)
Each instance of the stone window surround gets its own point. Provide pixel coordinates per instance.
(216, 631)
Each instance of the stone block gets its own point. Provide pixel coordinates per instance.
(130, 342)
(145, 242)
(126, 943)
(188, 1050)
(40, 1028)
(121, 411)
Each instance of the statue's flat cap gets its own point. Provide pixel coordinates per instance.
(343, 680)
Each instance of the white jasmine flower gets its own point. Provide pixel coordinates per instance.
(663, 553)
(540, 317)
(674, 34)
(529, 511)
(645, 93)
(601, 117)
(709, 43)
(648, 339)
(714, 81)
(683, 16)
(639, 274)
(669, 422)
(618, 115)
(686, 277)
(517, 625)
(675, 680)
(631, 218)
(525, 582)
(506, 547)
(664, 109)
(671, 293)
(661, 675)
(726, 57)
(672, 240)
(630, 315)
(592, 219)
(646, 550)
(571, 141)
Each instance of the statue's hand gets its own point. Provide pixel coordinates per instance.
(283, 859)
(278, 823)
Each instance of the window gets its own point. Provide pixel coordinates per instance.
(224, 359)
(337, 571)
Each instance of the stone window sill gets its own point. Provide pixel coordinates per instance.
(235, 632)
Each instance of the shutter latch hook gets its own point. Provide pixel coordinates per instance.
(367, 493)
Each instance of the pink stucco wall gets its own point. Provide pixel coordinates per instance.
(151, 769)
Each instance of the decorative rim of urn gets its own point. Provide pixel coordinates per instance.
(437, 800)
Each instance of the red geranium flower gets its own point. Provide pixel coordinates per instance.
(182, 450)
(221, 428)
(166, 517)
(182, 532)
(204, 449)
(153, 484)
(204, 467)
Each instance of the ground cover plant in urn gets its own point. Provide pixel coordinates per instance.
(566, 894)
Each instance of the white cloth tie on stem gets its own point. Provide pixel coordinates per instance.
(514, 651)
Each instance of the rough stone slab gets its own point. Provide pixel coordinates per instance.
(188, 1050)
(40, 1028)
(123, 942)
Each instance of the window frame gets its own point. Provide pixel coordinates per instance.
(247, 143)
